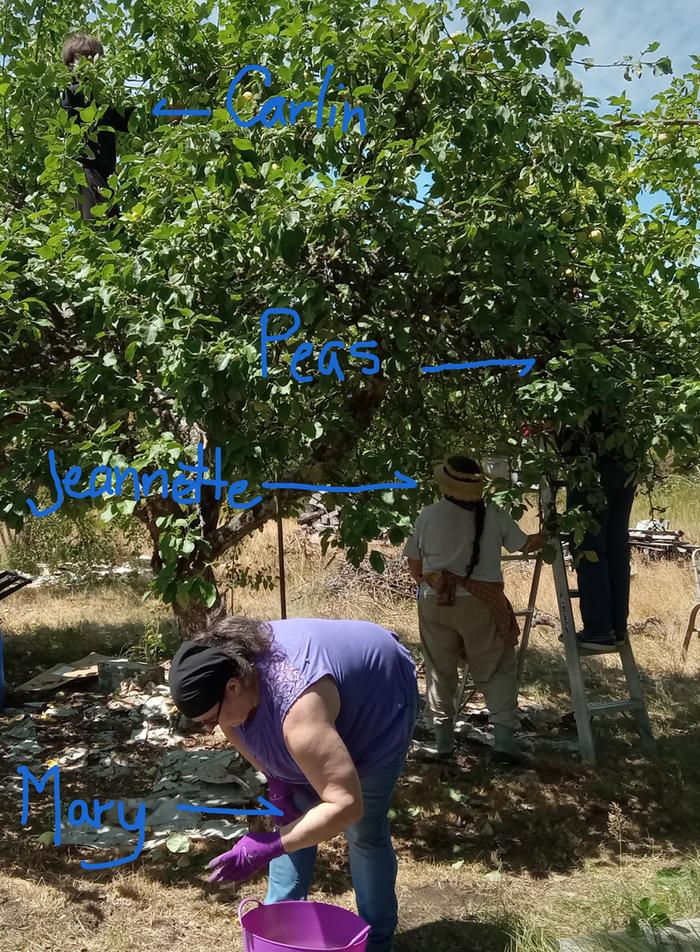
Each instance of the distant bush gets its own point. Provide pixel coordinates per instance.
(79, 539)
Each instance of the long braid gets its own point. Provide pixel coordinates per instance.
(464, 464)
(480, 518)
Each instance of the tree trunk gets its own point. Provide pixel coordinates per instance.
(196, 616)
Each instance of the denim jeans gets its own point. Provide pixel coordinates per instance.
(604, 586)
(372, 858)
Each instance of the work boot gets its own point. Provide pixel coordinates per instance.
(505, 749)
(445, 739)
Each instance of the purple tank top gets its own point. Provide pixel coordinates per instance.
(376, 680)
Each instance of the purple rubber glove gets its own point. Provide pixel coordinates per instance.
(252, 852)
(281, 794)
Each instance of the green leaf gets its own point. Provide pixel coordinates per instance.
(291, 241)
(88, 113)
(243, 145)
(389, 81)
(376, 560)
(178, 843)
(396, 536)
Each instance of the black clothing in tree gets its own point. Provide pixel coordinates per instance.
(604, 585)
(102, 161)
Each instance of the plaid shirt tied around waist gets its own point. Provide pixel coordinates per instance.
(492, 593)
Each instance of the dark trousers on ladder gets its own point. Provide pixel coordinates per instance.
(96, 192)
(604, 586)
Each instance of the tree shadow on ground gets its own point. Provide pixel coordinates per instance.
(549, 820)
(556, 816)
(452, 935)
(26, 657)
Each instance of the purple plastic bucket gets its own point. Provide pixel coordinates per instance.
(301, 927)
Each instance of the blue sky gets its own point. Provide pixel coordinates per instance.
(618, 27)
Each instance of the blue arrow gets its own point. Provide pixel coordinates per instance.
(269, 810)
(526, 363)
(159, 110)
(404, 482)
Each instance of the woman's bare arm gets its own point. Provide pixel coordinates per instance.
(314, 743)
(534, 542)
(415, 567)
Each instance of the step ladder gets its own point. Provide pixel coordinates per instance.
(583, 709)
(693, 628)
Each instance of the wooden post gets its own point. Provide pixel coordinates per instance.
(280, 556)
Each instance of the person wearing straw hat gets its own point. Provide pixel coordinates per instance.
(454, 554)
(326, 710)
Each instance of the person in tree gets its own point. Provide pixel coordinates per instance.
(604, 580)
(454, 554)
(326, 710)
(101, 159)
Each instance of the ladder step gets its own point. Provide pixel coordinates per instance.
(523, 614)
(589, 653)
(603, 706)
(574, 593)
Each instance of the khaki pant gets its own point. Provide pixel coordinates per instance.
(468, 624)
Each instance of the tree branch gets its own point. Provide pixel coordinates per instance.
(361, 407)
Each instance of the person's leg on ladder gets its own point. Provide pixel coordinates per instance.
(441, 651)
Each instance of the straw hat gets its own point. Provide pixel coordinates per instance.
(459, 485)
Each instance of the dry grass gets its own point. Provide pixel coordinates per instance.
(486, 860)
(48, 625)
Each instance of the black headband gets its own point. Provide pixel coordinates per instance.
(198, 677)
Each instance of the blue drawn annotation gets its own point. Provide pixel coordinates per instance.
(272, 111)
(328, 361)
(78, 813)
(186, 489)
